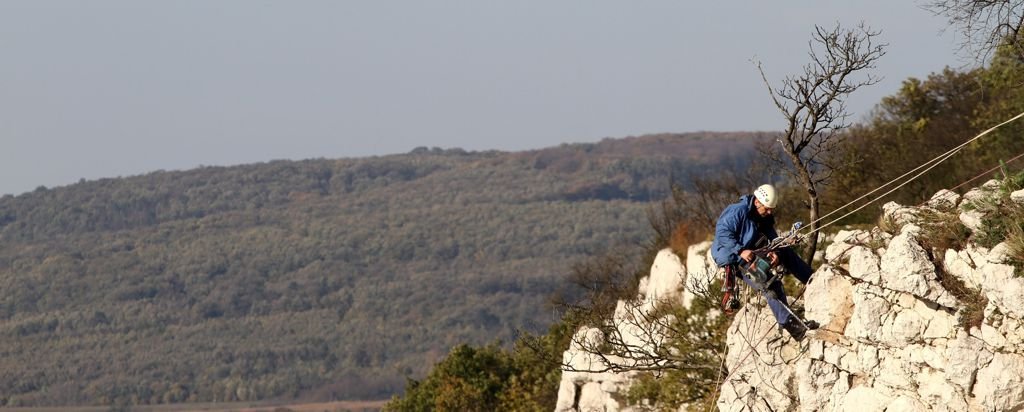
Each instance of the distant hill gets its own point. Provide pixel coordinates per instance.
(320, 278)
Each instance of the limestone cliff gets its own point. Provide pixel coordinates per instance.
(897, 329)
(908, 324)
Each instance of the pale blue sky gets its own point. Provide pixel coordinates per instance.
(92, 89)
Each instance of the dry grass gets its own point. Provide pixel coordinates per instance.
(942, 230)
(888, 224)
(1015, 248)
(972, 313)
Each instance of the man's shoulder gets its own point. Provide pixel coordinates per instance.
(741, 205)
(738, 209)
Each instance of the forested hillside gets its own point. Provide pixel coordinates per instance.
(317, 278)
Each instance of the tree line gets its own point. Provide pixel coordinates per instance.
(318, 279)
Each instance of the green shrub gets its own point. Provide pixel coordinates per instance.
(1002, 216)
(469, 379)
(694, 370)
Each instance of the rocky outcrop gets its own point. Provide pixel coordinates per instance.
(586, 385)
(906, 327)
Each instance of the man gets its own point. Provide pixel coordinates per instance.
(742, 228)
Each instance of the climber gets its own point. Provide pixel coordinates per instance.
(743, 227)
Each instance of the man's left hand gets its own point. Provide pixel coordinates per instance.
(774, 258)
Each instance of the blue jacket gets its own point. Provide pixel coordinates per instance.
(738, 228)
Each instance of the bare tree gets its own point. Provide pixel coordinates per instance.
(814, 106)
(985, 24)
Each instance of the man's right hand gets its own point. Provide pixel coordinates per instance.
(747, 255)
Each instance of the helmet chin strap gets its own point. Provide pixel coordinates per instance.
(758, 205)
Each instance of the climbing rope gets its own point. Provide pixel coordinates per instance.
(987, 172)
(929, 165)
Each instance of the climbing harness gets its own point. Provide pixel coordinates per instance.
(730, 292)
(759, 272)
(760, 275)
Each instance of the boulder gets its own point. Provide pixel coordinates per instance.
(829, 300)
(963, 356)
(566, 396)
(898, 214)
(1017, 196)
(1000, 384)
(592, 398)
(943, 200)
(700, 270)
(667, 276)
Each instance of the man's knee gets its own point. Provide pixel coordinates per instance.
(795, 265)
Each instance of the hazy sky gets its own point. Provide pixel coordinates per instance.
(92, 89)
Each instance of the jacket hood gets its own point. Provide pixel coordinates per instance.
(749, 200)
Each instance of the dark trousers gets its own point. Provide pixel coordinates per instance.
(774, 293)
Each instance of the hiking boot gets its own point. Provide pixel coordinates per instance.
(797, 329)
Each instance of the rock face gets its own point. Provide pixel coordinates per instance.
(584, 387)
(896, 326)
(905, 326)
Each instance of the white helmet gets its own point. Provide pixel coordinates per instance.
(766, 195)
